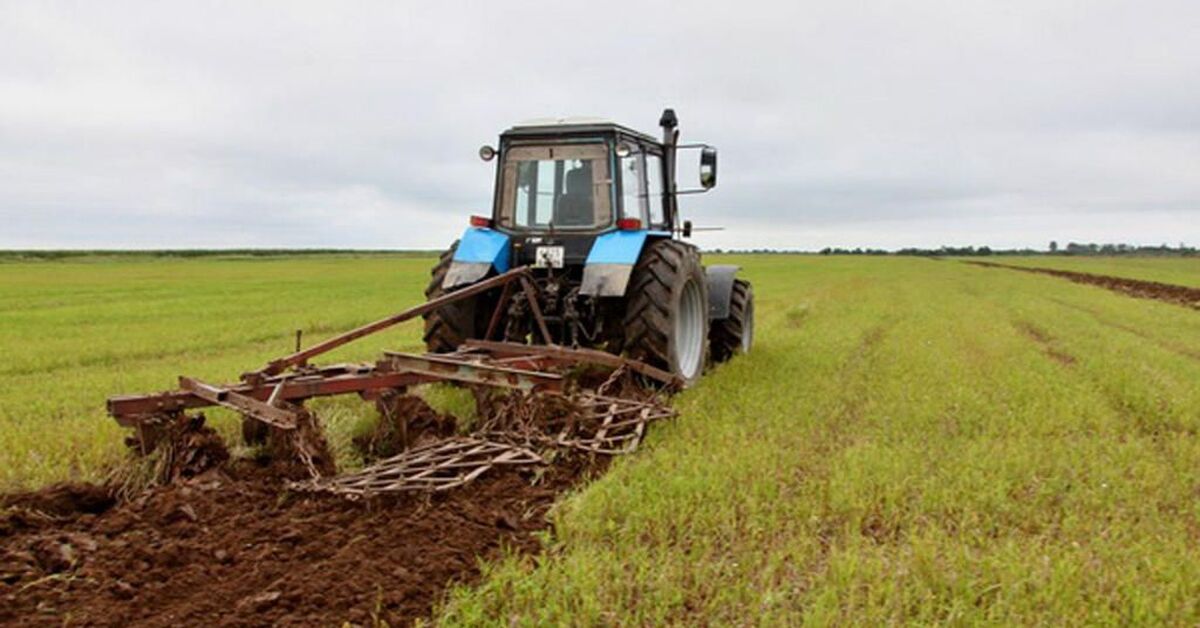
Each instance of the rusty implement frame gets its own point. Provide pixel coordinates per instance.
(274, 393)
(130, 410)
(555, 353)
(301, 357)
(263, 411)
(463, 369)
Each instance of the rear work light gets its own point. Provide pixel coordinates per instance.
(629, 224)
(481, 221)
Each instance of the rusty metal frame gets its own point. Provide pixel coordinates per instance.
(340, 379)
(249, 406)
(531, 296)
(272, 396)
(474, 372)
(571, 355)
(276, 367)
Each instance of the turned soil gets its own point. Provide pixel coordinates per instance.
(1181, 295)
(231, 546)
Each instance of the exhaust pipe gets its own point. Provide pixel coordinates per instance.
(670, 127)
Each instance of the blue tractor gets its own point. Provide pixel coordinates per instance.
(593, 207)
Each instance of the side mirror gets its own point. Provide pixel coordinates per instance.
(708, 167)
(487, 153)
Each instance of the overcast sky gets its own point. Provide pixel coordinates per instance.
(889, 124)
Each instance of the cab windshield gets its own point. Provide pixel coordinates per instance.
(556, 187)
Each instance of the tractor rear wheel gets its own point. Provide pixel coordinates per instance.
(666, 313)
(734, 334)
(448, 326)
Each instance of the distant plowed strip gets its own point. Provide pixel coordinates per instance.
(1181, 295)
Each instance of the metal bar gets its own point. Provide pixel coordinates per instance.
(246, 405)
(278, 366)
(128, 408)
(507, 349)
(457, 369)
(531, 295)
(495, 321)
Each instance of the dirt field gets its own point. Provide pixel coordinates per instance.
(1175, 271)
(234, 544)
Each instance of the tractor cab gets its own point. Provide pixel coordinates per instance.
(563, 182)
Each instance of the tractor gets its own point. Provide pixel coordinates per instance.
(593, 208)
(581, 270)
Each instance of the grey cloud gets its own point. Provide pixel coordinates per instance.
(882, 124)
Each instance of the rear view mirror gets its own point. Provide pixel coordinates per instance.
(708, 167)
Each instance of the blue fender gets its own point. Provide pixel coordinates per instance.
(610, 263)
(479, 251)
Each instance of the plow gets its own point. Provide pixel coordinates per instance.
(531, 398)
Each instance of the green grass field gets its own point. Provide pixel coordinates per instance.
(910, 440)
(1180, 271)
(73, 333)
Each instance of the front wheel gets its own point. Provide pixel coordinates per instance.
(666, 314)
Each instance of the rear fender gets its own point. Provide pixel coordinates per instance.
(479, 251)
(720, 290)
(610, 262)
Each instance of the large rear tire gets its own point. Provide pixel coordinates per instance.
(450, 325)
(666, 314)
(734, 334)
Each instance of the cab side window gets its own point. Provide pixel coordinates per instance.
(633, 193)
(654, 190)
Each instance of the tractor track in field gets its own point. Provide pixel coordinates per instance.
(1045, 341)
(1169, 293)
(232, 547)
(1129, 329)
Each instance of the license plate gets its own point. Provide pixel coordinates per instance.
(548, 257)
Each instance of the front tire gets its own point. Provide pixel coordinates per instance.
(666, 315)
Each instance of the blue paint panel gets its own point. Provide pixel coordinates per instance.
(617, 247)
(483, 245)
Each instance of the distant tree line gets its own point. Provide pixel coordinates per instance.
(1091, 248)
(63, 254)
(1072, 248)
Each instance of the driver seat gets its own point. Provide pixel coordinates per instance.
(575, 207)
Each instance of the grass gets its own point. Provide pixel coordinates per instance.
(74, 332)
(1180, 271)
(910, 440)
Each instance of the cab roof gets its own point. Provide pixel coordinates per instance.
(573, 125)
